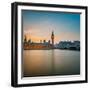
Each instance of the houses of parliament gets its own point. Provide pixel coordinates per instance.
(28, 45)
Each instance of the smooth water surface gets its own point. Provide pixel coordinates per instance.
(50, 62)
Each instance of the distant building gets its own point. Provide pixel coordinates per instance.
(40, 41)
(75, 45)
(25, 39)
(29, 41)
(49, 41)
(44, 41)
(42, 45)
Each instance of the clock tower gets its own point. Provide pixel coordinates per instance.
(52, 38)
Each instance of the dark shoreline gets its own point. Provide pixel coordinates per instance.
(53, 49)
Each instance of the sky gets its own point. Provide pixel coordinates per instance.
(38, 25)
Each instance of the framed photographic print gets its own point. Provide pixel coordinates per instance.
(49, 44)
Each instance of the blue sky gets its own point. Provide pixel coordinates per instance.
(38, 25)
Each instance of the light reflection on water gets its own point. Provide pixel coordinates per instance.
(50, 62)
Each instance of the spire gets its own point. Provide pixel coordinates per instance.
(25, 38)
(52, 37)
(52, 32)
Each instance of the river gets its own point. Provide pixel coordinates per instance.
(50, 62)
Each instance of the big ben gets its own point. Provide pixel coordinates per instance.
(52, 38)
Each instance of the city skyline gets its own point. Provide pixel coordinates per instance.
(38, 25)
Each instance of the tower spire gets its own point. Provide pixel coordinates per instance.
(52, 38)
(25, 39)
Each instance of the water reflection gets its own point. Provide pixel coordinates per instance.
(50, 62)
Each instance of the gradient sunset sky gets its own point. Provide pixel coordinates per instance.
(38, 25)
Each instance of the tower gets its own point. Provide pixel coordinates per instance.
(52, 38)
(25, 39)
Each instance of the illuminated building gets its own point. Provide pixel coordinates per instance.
(28, 45)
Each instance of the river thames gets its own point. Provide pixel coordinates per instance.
(50, 62)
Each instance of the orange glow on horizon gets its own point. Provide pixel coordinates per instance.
(57, 38)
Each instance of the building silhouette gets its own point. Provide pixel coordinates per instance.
(43, 44)
(25, 39)
(29, 45)
(52, 38)
(70, 45)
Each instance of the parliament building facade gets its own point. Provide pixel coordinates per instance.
(28, 45)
